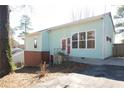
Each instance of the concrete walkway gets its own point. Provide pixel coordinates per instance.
(109, 61)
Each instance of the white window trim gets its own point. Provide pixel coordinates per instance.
(61, 42)
(91, 39)
(66, 42)
(85, 40)
(35, 38)
(75, 40)
(82, 40)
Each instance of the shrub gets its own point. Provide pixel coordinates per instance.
(61, 53)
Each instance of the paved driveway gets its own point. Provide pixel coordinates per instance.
(106, 71)
(110, 61)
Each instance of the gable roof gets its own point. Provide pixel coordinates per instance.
(89, 19)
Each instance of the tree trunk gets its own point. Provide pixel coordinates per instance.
(5, 51)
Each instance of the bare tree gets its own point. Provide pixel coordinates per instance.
(21, 8)
(82, 13)
(77, 15)
(86, 12)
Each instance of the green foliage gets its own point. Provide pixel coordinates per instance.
(120, 15)
(120, 11)
(119, 24)
(61, 53)
(9, 56)
(23, 34)
(123, 41)
(25, 26)
(116, 17)
(13, 66)
(25, 23)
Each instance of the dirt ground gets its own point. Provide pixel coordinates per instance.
(67, 75)
(92, 76)
(27, 76)
(75, 80)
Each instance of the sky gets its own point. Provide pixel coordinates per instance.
(49, 13)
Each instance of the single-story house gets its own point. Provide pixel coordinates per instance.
(92, 37)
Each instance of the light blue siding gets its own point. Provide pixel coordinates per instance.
(51, 40)
(45, 41)
(56, 36)
(109, 31)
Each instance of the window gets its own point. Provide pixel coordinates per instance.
(75, 41)
(64, 44)
(35, 43)
(108, 39)
(68, 45)
(75, 36)
(82, 40)
(91, 39)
